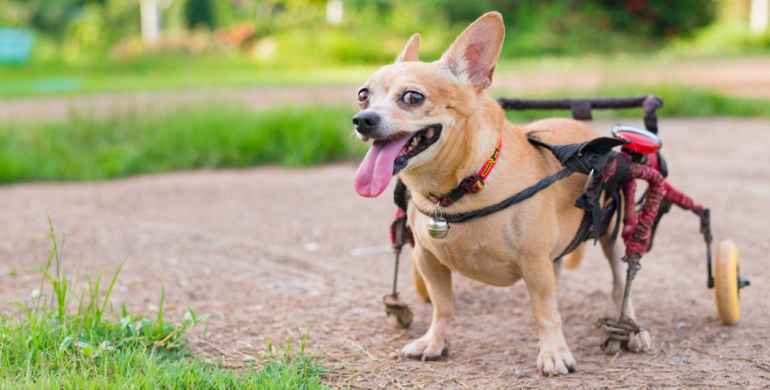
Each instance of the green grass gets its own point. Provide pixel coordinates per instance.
(201, 137)
(157, 74)
(65, 339)
(178, 72)
(218, 136)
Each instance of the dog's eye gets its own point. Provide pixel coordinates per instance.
(412, 98)
(363, 95)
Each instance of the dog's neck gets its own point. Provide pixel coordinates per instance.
(463, 153)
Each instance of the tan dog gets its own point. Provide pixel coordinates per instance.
(435, 123)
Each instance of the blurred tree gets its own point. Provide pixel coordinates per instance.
(88, 28)
(655, 18)
(51, 17)
(200, 13)
(150, 20)
(760, 16)
(462, 11)
(661, 18)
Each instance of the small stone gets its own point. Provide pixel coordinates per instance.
(680, 325)
(680, 360)
(520, 372)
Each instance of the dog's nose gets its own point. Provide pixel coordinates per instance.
(366, 122)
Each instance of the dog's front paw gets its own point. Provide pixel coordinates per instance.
(555, 361)
(426, 348)
(640, 342)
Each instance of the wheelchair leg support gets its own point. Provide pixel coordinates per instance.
(620, 331)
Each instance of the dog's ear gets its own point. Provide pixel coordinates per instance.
(411, 51)
(473, 55)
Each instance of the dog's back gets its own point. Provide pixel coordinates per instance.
(560, 131)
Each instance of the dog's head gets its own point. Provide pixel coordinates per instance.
(411, 109)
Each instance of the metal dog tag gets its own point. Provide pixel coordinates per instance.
(438, 227)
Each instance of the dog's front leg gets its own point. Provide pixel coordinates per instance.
(554, 357)
(438, 279)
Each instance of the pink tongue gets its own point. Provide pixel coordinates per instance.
(375, 171)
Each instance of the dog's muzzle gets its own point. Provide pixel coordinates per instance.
(367, 123)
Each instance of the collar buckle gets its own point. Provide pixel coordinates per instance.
(473, 183)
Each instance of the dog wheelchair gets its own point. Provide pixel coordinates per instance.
(611, 195)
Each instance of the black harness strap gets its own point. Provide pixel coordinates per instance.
(507, 202)
(401, 195)
(596, 218)
(582, 234)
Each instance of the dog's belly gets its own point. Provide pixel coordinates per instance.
(473, 252)
(483, 266)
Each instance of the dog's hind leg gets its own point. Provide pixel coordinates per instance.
(572, 260)
(554, 357)
(438, 279)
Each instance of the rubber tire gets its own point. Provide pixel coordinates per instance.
(726, 292)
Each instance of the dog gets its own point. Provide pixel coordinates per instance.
(433, 124)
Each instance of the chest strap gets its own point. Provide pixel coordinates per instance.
(505, 203)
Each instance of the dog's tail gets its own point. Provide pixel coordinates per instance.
(572, 260)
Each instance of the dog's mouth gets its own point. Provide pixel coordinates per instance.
(417, 143)
(387, 157)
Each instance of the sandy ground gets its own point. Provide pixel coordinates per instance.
(272, 254)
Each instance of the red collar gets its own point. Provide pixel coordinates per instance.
(473, 183)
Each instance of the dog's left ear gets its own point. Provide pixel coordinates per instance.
(411, 51)
(473, 55)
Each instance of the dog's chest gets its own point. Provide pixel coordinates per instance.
(480, 250)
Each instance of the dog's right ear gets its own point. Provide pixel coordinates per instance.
(473, 55)
(411, 51)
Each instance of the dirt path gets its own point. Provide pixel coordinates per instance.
(742, 77)
(274, 254)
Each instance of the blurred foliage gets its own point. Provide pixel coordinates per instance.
(199, 13)
(211, 136)
(723, 38)
(47, 16)
(660, 18)
(296, 33)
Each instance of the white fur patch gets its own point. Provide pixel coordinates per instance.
(461, 77)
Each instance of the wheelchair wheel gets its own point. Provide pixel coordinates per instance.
(726, 282)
